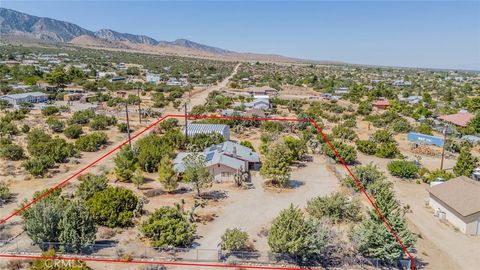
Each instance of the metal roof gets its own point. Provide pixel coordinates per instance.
(206, 128)
(25, 95)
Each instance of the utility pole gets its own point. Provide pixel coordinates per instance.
(444, 144)
(139, 107)
(128, 126)
(186, 124)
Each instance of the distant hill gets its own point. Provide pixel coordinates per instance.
(16, 26)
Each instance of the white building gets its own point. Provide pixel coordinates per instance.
(152, 78)
(223, 130)
(31, 97)
(458, 202)
(224, 160)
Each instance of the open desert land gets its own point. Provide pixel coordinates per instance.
(268, 189)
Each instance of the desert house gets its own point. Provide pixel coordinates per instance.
(459, 119)
(194, 128)
(458, 202)
(224, 160)
(31, 97)
(381, 104)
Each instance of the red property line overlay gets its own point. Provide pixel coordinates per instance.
(313, 122)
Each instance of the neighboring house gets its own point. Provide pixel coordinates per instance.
(401, 83)
(264, 90)
(458, 202)
(259, 103)
(102, 74)
(31, 97)
(471, 139)
(341, 91)
(172, 81)
(382, 104)
(459, 119)
(413, 99)
(224, 160)
(152, 78)
(255, 113)
(223, 130)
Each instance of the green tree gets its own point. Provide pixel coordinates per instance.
(235, 240)
(125, 163)
(91, 142)
(466, 163)
(297, 147)
(90, 184)
(167, 227)
(167, 175)
(366, 175)
(276, 167)
(337, 207)
(347, 152)
(151, 149)
(475, 122)
(77, 227)
(138, 179)
(293, 235)
(113, 207)
(73, 131)
(196, 172)
(376, 241)
(58, 77)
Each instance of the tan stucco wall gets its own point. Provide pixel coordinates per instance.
(467, 225)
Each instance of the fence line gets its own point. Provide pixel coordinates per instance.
(112, 251)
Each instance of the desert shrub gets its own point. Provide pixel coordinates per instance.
(382, 136)
(123, 128)
(82, 117)
(113, 207)
(25, 128)
(89, 185)
(272, 126)
(343, 132)
(101, 122)
(424, 128)
(11, 151)
(55, 125)
(168, 124)
(387, 150)
(50, 110)
(337, 207)
(7, 128)
(167, 227)
(366, 146)
(5, 194)
(401, 125)
(403, 169)
(73, 131)
(235, 240)
(91, 142)
(433, 175)
(38, 166)
(347, 152)
(366, 175)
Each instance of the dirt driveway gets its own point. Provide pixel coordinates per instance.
(254, 209)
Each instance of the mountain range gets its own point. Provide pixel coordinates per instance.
(16, 26)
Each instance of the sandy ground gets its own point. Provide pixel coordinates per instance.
(254, 209)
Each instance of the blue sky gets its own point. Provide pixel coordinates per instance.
(415, 34)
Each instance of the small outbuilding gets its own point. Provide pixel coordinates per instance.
(458, 202)
(194, 128)
(382, 104)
